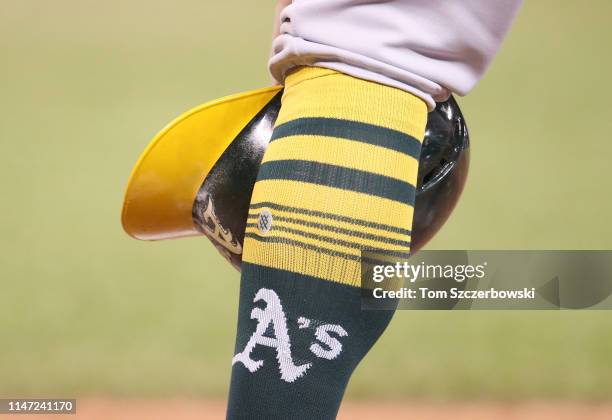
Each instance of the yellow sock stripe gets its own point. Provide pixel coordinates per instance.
(333, 200)
(319, 92)
(313, 242)
(346, 153)
(302, 260)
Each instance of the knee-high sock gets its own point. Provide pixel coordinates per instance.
(338, 177)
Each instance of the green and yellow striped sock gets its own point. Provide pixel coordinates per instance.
(339, 177)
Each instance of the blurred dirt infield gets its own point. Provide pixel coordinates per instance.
(191, 409)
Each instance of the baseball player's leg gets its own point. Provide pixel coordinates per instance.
(339, 176)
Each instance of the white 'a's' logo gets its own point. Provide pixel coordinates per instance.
(274, 315)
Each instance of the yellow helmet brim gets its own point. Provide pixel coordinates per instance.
(163, 185)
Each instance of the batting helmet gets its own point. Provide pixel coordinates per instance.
(197, 175)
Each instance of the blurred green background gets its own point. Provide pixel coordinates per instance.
(85, 310)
